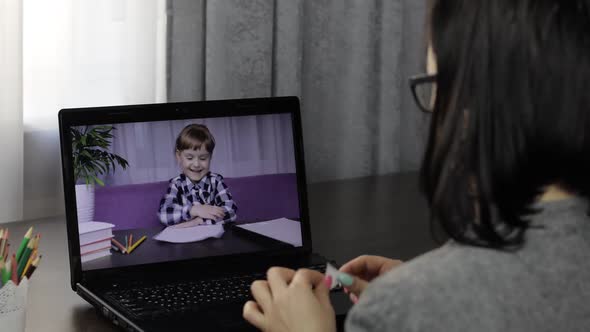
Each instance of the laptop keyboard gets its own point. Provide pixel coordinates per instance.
(186, 296)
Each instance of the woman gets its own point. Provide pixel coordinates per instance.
(506, 174)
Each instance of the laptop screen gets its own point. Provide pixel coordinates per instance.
(161, 191)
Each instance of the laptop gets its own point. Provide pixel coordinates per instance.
(129, 255)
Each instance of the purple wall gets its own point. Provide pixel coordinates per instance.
(258, 198)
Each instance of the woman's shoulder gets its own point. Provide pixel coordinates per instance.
(462, 288)
(427, 290)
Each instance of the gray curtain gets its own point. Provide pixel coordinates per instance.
(348, 61)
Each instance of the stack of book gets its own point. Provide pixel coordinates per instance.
(95, 239)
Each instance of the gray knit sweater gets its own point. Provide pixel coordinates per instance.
(545, 286)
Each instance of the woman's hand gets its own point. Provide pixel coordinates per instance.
(363, 269)
(291, 301)
(207, 211)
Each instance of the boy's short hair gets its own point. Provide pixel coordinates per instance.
(193, 137)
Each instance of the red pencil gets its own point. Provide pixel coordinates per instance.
(123, 250)
(14, 276)
(6, 251)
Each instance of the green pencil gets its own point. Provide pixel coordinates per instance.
(6, 272)
(23, 244)
(1, 272)
(24, 258)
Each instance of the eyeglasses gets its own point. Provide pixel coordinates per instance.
(424, 91)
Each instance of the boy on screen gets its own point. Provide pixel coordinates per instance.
(197, 196)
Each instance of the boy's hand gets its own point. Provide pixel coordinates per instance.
(195, 222)
(207, 212)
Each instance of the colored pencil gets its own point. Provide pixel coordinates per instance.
(33, 267)
(137, 243)
(6, 272)
(3, 244)
(130, 241)
(31, 259)
(38, 238)
(13, 274)
(123, 250)
(126, 243)
(1, 272)
(24, 258)
(6, 251)
(23, 243)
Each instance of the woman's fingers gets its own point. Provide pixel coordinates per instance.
(352, 284)
(253, 314)
(314, 281)
(368, 267)
(359, 266)
(262, 294)
(279, 277)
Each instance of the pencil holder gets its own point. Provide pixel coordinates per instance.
(13, 301)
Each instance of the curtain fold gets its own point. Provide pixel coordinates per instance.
(245, 146)
(11, 118)
(345, 59)
(82, 54)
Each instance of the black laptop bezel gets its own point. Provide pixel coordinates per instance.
(175, 111)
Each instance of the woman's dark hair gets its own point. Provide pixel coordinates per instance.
(512, 113)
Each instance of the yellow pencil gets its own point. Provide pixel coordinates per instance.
(31, 259)
(136, 244)
(33, 267)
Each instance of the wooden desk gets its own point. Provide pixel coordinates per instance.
(382, 215)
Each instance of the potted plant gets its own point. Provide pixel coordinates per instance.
(92, 159)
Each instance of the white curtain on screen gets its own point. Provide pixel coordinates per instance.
(79, 53)
(244, 146)
(11, 162)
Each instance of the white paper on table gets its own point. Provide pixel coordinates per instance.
(189, 234)
(282, 229)
(13, 302)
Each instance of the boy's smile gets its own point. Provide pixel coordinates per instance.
(194, 163)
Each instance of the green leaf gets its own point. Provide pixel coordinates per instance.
(99, 181)
(90, 147)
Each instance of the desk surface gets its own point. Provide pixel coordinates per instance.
(150, 251)
(382, 215)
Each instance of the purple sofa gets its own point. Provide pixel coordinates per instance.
(261, 197)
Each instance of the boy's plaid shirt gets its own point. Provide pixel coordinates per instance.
(182, 193)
